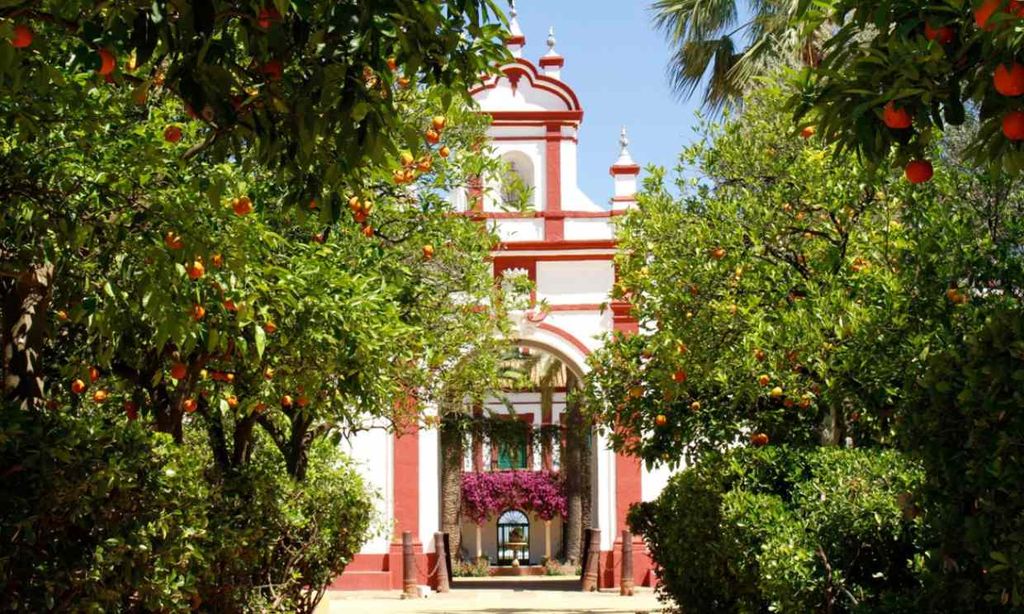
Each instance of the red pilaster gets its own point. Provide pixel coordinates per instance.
(407, 500)
(554, 222)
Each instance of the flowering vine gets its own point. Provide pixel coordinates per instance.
(490, 493)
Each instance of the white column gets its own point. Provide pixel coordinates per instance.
(547, 539)
(479, 543)
(430, 484)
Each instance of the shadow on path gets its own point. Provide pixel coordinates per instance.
(517, 584)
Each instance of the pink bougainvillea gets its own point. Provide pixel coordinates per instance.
(488, 494)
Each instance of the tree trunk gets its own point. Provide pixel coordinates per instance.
(26, 299)
(452, 450)
(297, 458)
(571, 469)
(586, 484)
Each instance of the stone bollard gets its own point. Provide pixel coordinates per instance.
(409, 588)
(626, 581)
(591, 564)
(442, 563)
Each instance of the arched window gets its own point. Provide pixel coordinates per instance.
(513, 538)
(517, 180)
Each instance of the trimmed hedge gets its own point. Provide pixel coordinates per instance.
(786, 530)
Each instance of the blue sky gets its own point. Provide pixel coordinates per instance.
(615, 61)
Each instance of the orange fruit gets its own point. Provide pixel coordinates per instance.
(217, 260)
(406, 159)
(1013, 125)
(679, 376)
(190, 405)
(230, 305)
(895, 117)
(179, 370)
(268, 374)
(763, 380)
(22, 36)
(718, 253)
(807, 132)
(438, 123)
(661, 420)
(173, 241)
(198, 312)
(444, 152)
(286, 401)
(232, 401)
(368, 231)
(131, 409)
(424, 164)
(695, 406)
(432, 136)
(196, 270)
(943, 34)
(78, 386)
(403, 82)
(172, 134)
(100, 396)
(94, 374)
(428, 252)
(302, 401)
(919, 171)
(392, 64)
(242, 205)
(776, 392)
(270, 328)
(267, 17)
(759, 439)
(1009, 79)
(107, 62)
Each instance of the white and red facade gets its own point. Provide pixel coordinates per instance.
(565, 243)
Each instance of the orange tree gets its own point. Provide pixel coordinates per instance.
(790, 293)
(892, 72)
(310, 96)
(833, 353)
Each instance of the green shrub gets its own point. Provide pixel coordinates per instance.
(967, 428)
(97, 515)
(279, 542)
(105, 515)
(786, 530)
(481, 568)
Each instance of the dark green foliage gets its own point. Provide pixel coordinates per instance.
(968, 431)
(98, 515)
(108, 516)
(787, 530)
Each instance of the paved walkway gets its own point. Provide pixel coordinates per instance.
(496, 597)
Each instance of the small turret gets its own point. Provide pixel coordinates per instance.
(516, 40)
(552, 62)
(624, 175)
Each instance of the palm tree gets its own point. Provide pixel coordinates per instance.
(724, 45)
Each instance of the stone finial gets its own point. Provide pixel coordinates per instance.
(516, 40)
(625, 159)
(551, 62)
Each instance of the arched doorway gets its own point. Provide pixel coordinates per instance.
(513, 538)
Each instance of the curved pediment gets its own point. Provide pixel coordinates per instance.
(522, 88)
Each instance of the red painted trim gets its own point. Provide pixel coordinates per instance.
(509, 139)
(624, 199)
(525, 215)
(566, 116)
(552, 60)
(528, 124)
(575, 307)
(564, 335)
(557, 245)
(407, 483)
(537, 79)
(565, 257)
(627, 487)
(622, 317)
(516, 40)
(554, 226)
(624, 169)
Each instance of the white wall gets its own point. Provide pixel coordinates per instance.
(372, 452)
